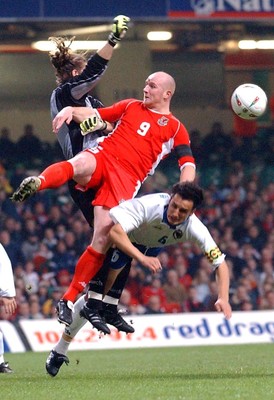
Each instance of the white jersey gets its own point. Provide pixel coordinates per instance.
(144, 219)
(7, 288)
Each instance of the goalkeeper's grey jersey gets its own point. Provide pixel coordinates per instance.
(144, 219)
(76, 93)
(7, 288)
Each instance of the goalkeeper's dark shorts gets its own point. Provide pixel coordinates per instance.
(83, 200)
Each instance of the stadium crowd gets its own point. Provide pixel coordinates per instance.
(45, 235)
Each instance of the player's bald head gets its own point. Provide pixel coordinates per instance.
(165, 80)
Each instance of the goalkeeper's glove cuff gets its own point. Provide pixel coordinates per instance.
(113, 40)
(104, 127)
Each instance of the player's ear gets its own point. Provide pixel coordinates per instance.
(193, 211)
(74, 72)
(167, 94)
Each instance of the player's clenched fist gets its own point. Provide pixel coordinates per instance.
(119, 28)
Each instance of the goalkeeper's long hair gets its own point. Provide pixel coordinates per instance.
(64, 60)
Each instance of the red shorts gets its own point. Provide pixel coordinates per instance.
(113, 183)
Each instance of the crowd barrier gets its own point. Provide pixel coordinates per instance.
(187, 329)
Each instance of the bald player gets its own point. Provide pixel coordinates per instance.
(145, 132)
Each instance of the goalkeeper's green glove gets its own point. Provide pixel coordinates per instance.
(119, 28)
(92, 124)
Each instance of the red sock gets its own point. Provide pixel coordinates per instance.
(87, 266)
(56, 175)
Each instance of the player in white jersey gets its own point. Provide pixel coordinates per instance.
(150, 223)
(7, 299)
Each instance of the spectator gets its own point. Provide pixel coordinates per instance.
(43, 293)
(55, 218)
(6, 206)
(154, 289)
(153, 305)
(4, 181)
(51, 302)
(30, 246)
(14, 227)
(63, 259)
(12, 248)
(130, 305)
(255, 237)
(26, 143)
(232, 254)
(42, 258)
(212, 296)
(63, 279)
(34, 310)
(267, 302)
(268, 222)
(136, 280)
(31, 277)
(215, 146)
(201, 281)
(30, 226)
(247, 306)
(7, 147)
(50, 239)
(174, 291)
(40, 213)
(23, 310)
(180, 265)
(192, 303)
(240, 296)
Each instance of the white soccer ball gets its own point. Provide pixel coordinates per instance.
(249, 101)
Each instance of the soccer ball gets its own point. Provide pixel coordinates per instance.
(249, 101)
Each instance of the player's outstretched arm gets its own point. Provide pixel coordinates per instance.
(118, 31)
(222, 278)
(67, 114)
(120, 238)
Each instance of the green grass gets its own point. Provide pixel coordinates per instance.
(191, 373)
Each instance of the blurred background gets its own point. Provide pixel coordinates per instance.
(203, 50)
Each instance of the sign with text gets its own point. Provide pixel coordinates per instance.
(189, 329)
(222, 9)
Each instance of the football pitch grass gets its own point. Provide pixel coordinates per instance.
(177, 373)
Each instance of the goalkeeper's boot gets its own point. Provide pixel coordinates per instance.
(27, 188)
(115, 319)
(94, 317)
(5, 368)
(54, 362)
(64, 311)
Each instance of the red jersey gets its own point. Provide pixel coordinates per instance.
(142, 137)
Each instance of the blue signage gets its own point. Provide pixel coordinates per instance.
(84, 9)
(92, 9)
(221, 8)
